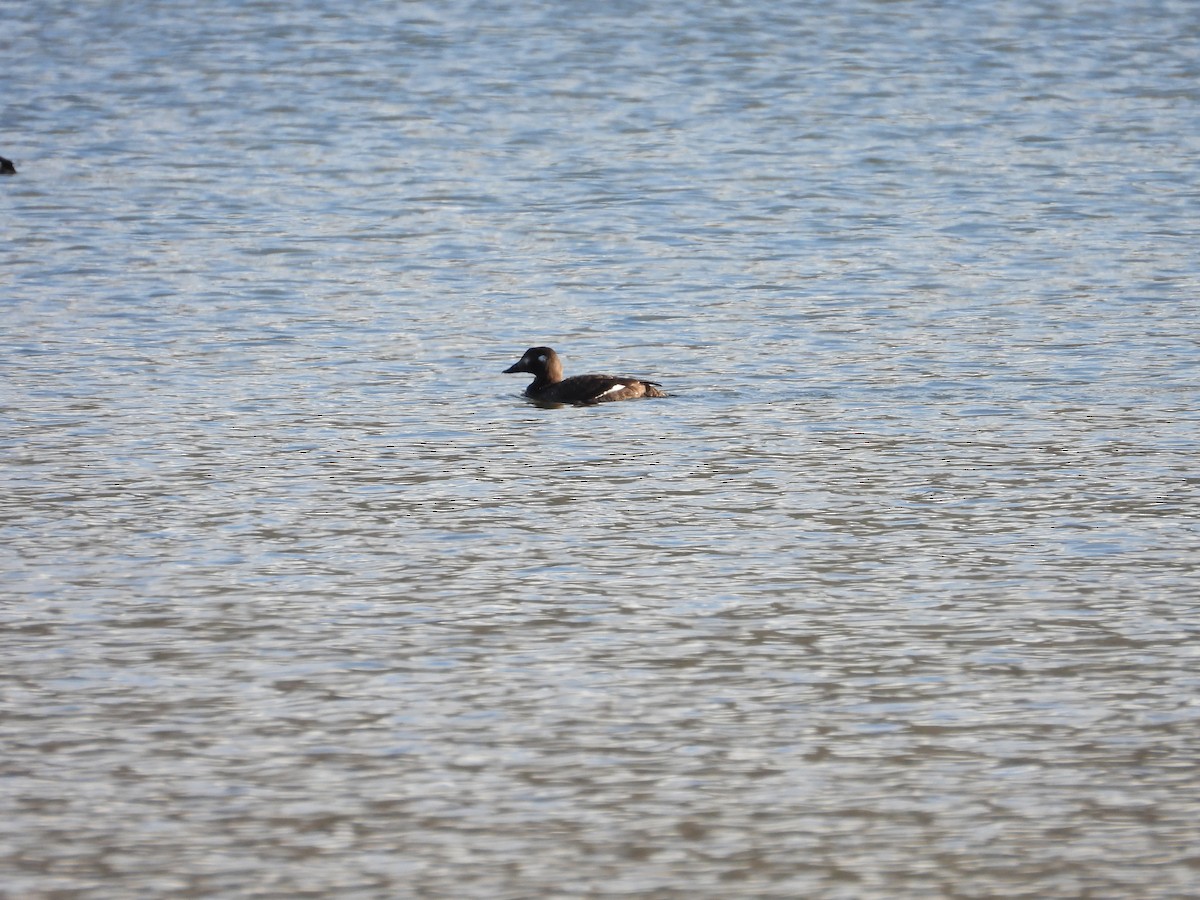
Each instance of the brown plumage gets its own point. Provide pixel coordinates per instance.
(549, 386)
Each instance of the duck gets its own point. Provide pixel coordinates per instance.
(7, 167)
(550, 387)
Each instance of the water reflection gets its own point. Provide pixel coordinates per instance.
(890, 597)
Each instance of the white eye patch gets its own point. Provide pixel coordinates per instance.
(542, 358)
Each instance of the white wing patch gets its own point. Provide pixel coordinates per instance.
(615, 389)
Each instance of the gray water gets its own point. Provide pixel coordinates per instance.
(895, 596)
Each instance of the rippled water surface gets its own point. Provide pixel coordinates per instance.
(895, 596)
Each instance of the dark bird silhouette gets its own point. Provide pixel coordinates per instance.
(549, 386)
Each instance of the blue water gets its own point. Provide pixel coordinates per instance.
(893, 597)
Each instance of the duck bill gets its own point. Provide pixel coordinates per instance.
(515, 367)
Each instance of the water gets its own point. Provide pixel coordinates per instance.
(894, 596)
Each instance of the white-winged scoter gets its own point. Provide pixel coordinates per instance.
(549, 386)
